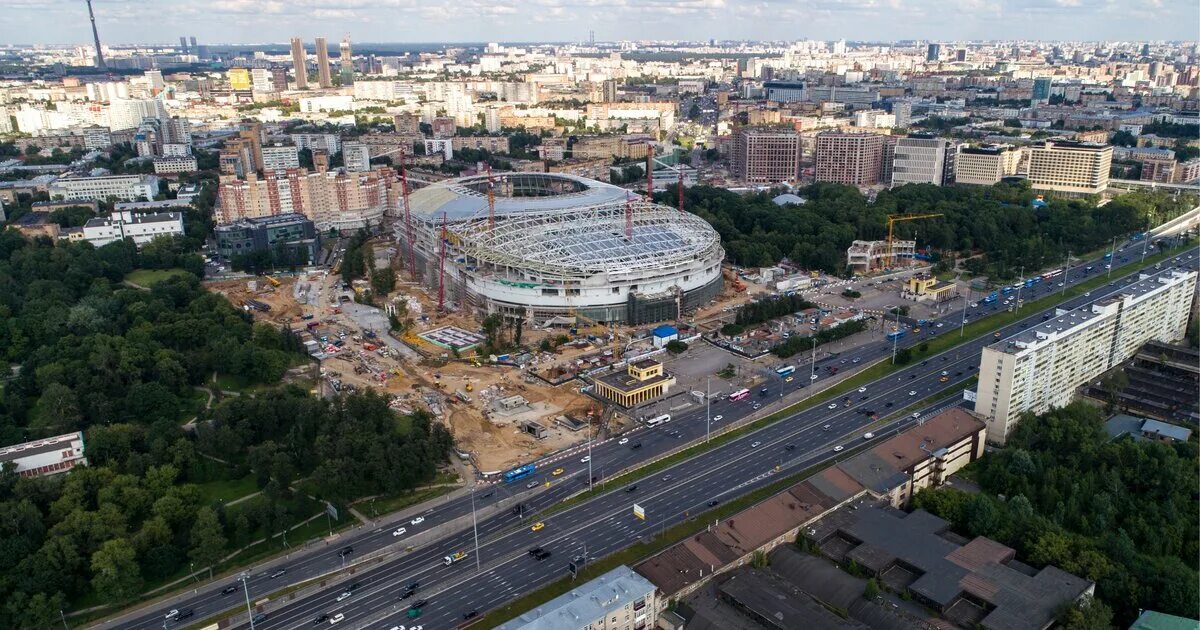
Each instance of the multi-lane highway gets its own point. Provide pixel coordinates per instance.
(605, 523)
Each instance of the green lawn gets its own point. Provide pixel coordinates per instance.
(385, 505)
(147, 277)
(227, 490)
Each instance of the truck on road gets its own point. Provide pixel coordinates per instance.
(457, 557)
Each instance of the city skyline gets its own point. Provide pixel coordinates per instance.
(121, 22)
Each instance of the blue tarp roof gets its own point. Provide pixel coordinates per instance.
(665, 331)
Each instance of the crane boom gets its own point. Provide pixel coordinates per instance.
(892, 220)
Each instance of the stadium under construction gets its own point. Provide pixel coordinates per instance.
(549, 247)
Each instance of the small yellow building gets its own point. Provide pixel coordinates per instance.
(926, 288)
(642, 381)
(239, 78)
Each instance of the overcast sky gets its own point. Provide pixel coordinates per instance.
(272, 21)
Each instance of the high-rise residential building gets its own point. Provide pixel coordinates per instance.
(919, 159)
(610, 91)
(279, 79)
(985, 165)
(1041, 367)
(299, 64)
(766, 155)
(261, 81)
(933, 53)
(1072, 168)
(280, 157)
(855, 159)
(356, 156)
(444, 127)
(406, 123)
(1041, 89)
(332, 199)
(902, 110)
(346, 57)
(239, 79)
(323, 78)
(960, 54)
(183, 43)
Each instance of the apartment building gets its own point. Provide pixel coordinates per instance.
(985, 165)
(329, 142)
(125, 187)
(855, 159)
(919, 159)
(331, 199)
(280, 157)
(1071, 168)
(169, 165)
(356, 156)
(618, 600)
(766, 155)
(1041, 367)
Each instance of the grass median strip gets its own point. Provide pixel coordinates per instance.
(939, 344)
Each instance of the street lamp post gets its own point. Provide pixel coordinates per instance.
(64, 619)
(962, 325)
(246, 590)
(1112, 251)
(707, 409)
(896, 338)
(589, 457)
(1066, 273)
(475, 528)
(1020, 285)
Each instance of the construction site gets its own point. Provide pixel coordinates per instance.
(574, 271)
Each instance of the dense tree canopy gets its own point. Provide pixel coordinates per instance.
(1119, 512)
(1001, 222)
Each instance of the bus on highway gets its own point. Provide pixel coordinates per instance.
(741, 394)
(663, 419)
(895, 334)
(785, 370)
(1051, 274)
(520, 472)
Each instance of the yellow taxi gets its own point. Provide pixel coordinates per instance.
(916, 330)
(557, 472)
(537, 526)
(944, 379)
(789, 379)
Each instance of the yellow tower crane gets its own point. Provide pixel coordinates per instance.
(892, 219)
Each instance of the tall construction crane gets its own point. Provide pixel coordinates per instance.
(892, 220)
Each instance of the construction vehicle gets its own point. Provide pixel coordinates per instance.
(273, 281)
(458, 556)
(734, 281)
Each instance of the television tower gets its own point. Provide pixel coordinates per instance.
(96, 36)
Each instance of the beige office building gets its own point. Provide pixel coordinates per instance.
(323, 78)
(766, 155)
(1071, 168)
(1041, 367)
(300, 63)
(986, 165)
(855, 159)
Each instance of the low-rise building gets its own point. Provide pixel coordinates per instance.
(169, 165)
(618, 600)
(642, 381)
(142, 228)
(293, 233)
(46, 456)
(986, 165)
(866, 256)
(126, 187)
(926, 288)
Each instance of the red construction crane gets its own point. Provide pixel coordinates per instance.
(412, 256)
(442, 268)
(491, 185)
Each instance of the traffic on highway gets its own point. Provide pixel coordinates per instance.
(408, 581)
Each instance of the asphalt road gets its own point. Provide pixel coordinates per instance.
(605, 523)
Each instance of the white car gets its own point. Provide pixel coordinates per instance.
(862, 390)
(344, 596)
(813, 377)
(585, 459)
(173, 614)
(945, 373)
(833, 405)
(912, 392)
(336, 618)
(1088, 294)
(838, 448)
(827, 427)
(916, 414)
(939, 325)
(718, 418)
(400, 532)
(868, 435)
(417, 521)
(755, 445)
(623, 441)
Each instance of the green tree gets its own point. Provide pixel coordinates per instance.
(116, 576)
(872, 589)
(208, 539)
(383, 281)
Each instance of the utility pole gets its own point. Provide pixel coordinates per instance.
(589, 457)
(64, 619)
(475, 528)
(1145, 245)
(896, 339)
(1020, 285)
(812, 364)
(962, 325)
